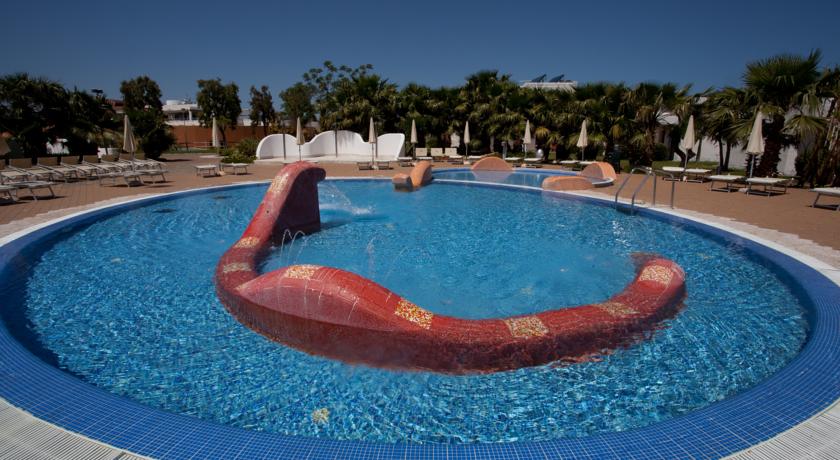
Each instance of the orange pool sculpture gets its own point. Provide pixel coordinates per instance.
(338, 314)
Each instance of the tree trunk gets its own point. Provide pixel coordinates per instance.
(720, 154)
(773, 142)
(728, 151)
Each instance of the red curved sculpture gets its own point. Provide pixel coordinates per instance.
(341, 315)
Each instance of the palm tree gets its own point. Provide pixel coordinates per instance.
(725, 120)
(605, 108)
(484, 95)
(782, 85)
(818, 162)
(33, 110)
(360, 98)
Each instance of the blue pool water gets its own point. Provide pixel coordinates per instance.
(128, 304)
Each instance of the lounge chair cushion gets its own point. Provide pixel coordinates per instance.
(726, 178)
(829, 191)
(766, 180)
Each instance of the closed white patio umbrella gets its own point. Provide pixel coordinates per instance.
(756, 144)
(299, 140)
(129, 142)
(527, 139)
(413, 138)
(583, 139)
(467, 137)
(215, 134)
(372, 140)
(688, 140)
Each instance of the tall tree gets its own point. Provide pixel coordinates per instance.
(724, 118)
(262, 108)
(141, 97)
(357, 99)
(323, 81)
(91, 119)
(33, 110)
(780, 85)
(297, 103)
(482, 96)
(220, 102)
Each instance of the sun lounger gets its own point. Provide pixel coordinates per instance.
(131, 163)
(533, 163)
(405, 161)
(770, 186)
(675, 171)
(827, 191)
(153, 174)
(62, 172)
(130, 178)
(421, 153)
(452, 156)
(731, 183)
(83, 170)
(103, 167)
(30, 185)
(383, 165)
(235, 167)
(7, 190)
(514, 161)
(571, 164)
(696, 174)
(148, 162)
(206, 170)
(13, 175)
(115, 166)
(437, 153)
(36, 173)
(364, 165)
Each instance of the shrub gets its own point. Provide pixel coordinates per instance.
(247, 147)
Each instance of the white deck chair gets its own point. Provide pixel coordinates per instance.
(826, 191)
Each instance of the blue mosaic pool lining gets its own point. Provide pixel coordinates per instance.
(806, 386)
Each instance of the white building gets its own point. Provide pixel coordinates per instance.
(186, 113)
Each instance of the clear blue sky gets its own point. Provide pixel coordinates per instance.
(97, 44)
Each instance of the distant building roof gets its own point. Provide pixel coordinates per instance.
(557, 83)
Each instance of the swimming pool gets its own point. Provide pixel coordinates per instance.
(160, 365)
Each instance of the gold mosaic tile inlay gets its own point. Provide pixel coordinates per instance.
(301, 272)
(279, 183)
(321, 415)
(413, 313)
(247, 242)
(616, 308)
(236, 267)
(657, 273)
(526, 327)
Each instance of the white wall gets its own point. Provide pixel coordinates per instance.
(738, 156)
(351, 147)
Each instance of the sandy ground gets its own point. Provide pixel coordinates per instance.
(787, 219)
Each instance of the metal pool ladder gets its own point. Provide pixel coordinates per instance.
(649, 172)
